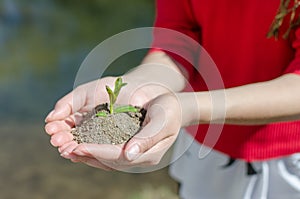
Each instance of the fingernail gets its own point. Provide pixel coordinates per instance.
(64, 154)
(49, 116)
(50, 129)
(133, 152)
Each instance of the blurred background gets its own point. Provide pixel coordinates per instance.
(42, 44)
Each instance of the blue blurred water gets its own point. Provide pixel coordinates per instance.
(43, 42)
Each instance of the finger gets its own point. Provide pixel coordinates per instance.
(66, 149)
(99, 151)
(61, 138)
(67, 105)
(154, 155)
(58, 126)
(133, 96)
(92, 162)
(119, 165)
(151, 134)
(63, 107)
(64, 146)
(64, 125)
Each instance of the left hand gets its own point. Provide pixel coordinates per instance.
(161, 127)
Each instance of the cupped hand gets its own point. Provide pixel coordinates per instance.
(161, 127)
(155, 136)
(68, 110)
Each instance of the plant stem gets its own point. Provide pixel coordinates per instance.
(111, 108)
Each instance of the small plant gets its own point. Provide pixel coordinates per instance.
(104, 125)
(113, 95)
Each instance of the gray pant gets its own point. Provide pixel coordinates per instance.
(207, 178)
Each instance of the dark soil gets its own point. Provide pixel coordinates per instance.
(115, 128)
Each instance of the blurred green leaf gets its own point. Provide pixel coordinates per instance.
(124, 109)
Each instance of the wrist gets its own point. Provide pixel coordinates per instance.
(190, 111)
(202, 107)
(159, 68)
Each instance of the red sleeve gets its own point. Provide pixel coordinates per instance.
(294, 66)
(177, 15)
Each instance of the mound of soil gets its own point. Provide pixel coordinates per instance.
(115, 128)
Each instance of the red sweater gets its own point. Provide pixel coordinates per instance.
(234, 34)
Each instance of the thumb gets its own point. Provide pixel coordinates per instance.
(67, 105)
(149, 136)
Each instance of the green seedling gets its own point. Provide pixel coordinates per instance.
(113, 95)
(101, 114)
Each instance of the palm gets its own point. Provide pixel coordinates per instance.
(82, 99)
(162, 124)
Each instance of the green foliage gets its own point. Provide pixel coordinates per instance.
(123, 109)
(118, 85)
(101, 114)
(113, 95)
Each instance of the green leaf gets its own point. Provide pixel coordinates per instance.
(113, 95)
(101, 114)
(118, 85)
(123, 109)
